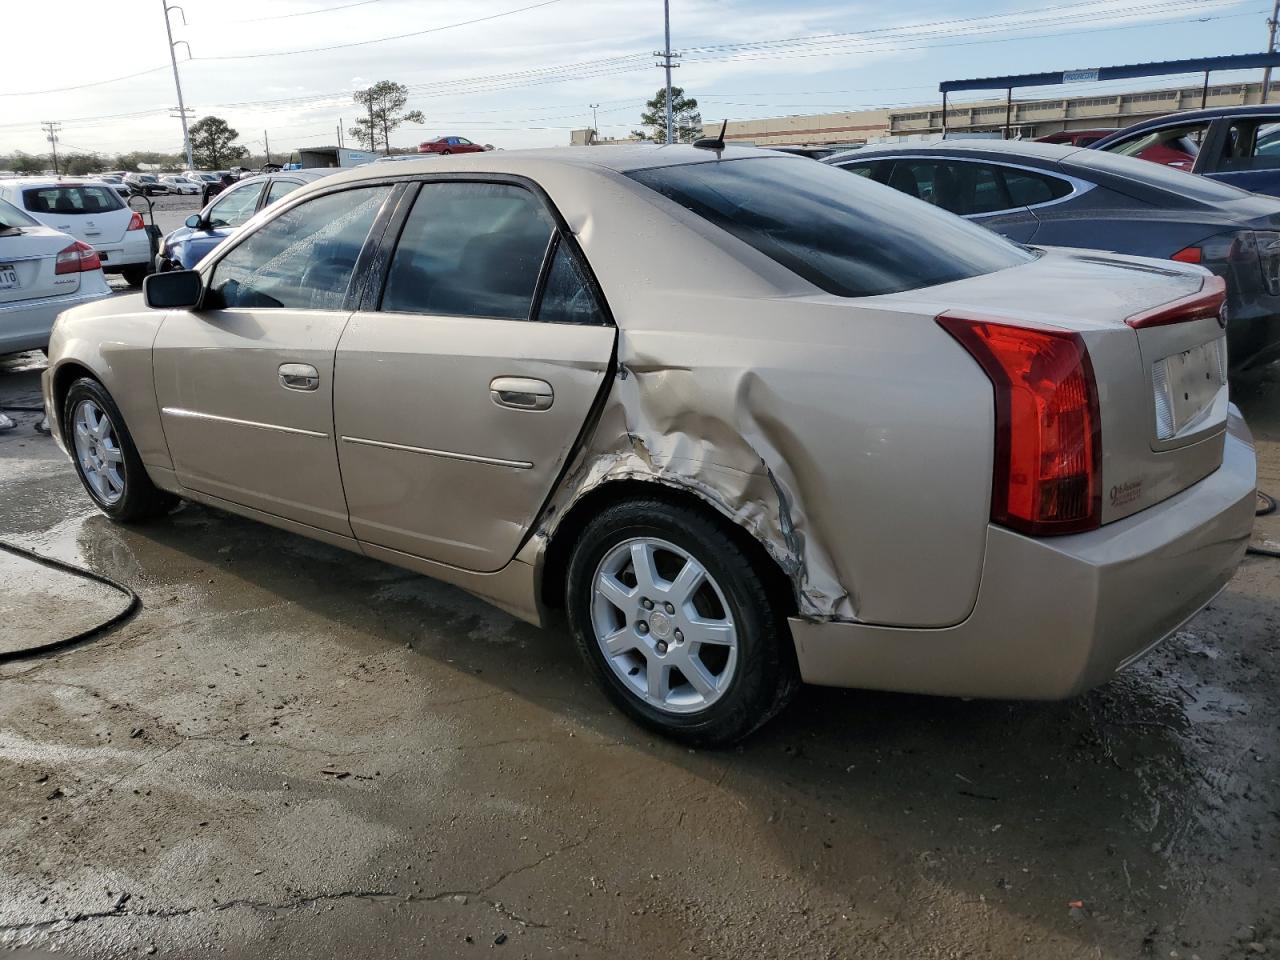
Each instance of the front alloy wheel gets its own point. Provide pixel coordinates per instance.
(105, 457)
(98, 452)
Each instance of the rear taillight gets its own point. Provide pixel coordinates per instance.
(1048, 443)
(1189, 255)
(135, 222)
(77, 258)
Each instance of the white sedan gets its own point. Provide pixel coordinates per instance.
(181, 185)
(92, 212)
(42, 273)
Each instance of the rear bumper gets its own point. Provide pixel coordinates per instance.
(1057, 616)
(25, 325)
(134, 249)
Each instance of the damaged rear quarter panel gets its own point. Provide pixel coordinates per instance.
(852, 438)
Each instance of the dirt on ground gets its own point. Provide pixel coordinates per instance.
(293, 751)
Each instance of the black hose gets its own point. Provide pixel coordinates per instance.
(1268, 506)
(135, 602)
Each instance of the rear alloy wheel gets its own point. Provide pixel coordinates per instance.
(105, 457)
(677, 623)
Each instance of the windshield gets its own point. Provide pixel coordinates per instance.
(846, 235)
(11, 216)
(86, 198)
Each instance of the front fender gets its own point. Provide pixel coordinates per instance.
(109, 340)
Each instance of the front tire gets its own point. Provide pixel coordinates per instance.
(105, 457)
(677, 623)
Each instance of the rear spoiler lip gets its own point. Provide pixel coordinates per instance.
(1209, 301)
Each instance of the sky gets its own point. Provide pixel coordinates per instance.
(523, 73)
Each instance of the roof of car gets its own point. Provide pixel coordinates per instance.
(1006, 148)
(622, 159)
(52, 181)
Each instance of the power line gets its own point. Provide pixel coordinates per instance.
(84, 86)
(398, 36)
(308, 13)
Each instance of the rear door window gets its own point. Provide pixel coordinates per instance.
(843, 234)
(85, 199)
(303, 259)
(470, 250)
(1027, 189)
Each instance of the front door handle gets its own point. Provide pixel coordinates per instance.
(299, 376)
(521, 393)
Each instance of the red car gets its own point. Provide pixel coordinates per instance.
(450, 145)
(1078, 138)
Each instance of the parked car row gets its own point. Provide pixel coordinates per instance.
(89, 211)
(861, 442)
(42, 272)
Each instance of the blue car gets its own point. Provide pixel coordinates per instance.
(1235, 145)
(1049, 195)
(187, 246)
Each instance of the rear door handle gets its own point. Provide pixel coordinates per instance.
(299, 376)
(521, 393)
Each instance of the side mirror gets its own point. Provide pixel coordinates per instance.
(194, 221)
(173, 290)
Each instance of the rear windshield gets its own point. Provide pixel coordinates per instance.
(843, 234)
(1155, 174)
(11, 216)
(81, 199)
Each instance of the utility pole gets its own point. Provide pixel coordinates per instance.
(177, 81)
(266, 145)
(51, 127)
(595, 130)
(373, 137)
(666, 56)
(340, 143)
(1271, 47)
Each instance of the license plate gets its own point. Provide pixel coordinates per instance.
(1187, 384)
(8, 277)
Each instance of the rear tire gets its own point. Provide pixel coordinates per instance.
(105, 457)
(677, 624)
(135, 274)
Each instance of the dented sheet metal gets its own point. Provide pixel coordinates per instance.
(658, 426)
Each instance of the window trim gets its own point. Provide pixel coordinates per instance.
(1079, 187)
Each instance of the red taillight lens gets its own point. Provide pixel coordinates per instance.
(77, 258)
(1048, 461)
(135, 222)
(1188, 255)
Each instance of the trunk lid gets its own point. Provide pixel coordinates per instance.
(1158, 353)
(27, 261)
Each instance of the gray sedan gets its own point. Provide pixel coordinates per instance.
(1066, 196)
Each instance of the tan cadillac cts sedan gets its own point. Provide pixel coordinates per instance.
(746, 419)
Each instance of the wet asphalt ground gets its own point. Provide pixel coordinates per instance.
(293, 751)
